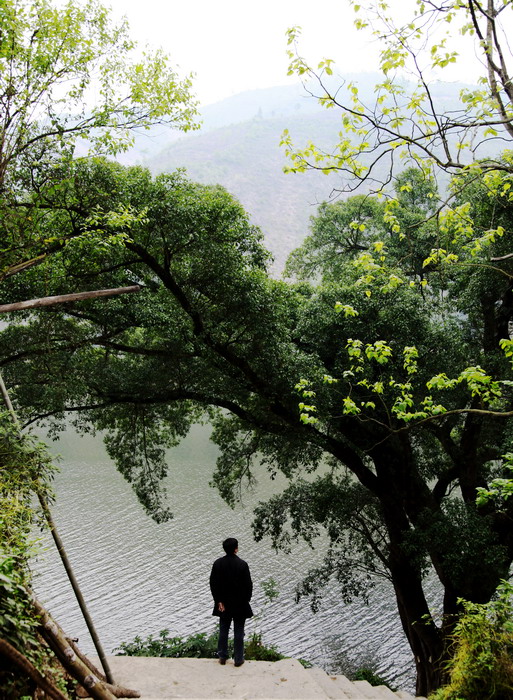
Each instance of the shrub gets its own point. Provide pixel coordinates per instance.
(200, 645)
(357, 668)
(255, 650)
(481, 667)
(25, 469)
(369, 675)
(197, 646)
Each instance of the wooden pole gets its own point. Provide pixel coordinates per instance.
(62, 552)
(76, 589)
(63, 298)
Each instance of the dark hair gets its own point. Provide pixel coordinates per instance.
(230, 545)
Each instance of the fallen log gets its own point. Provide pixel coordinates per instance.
(20, 661)
(77, 669)
(116, 690)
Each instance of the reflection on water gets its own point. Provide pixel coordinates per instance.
(139, 577)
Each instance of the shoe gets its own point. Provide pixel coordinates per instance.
(222, 662)
(238, 663)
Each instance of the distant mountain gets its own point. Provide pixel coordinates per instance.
(238, 147)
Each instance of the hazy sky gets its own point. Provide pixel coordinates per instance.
(236, 45)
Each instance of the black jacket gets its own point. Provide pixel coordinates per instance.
(230, 583)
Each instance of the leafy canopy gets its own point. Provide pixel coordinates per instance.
(409, 121)
(71, 81)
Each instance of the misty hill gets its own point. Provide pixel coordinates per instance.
(238, 147)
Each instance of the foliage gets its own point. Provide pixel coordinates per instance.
(200, 646)
(369, 675)
(481, 667)
(405, 123)
(499, 489)
(256, 650)
(53, 58)
(24, 470)
(70, 80)
(270, 589)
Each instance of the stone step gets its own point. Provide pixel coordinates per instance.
(373, 692)
(341, 687)
(334, 686)
(205, 679)
(338, 687)
(162, 679)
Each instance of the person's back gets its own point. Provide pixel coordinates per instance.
(231, 586)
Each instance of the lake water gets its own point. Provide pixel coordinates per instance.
(139, 577)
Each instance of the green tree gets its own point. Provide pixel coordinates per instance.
(351, 228)
(468, 227)
(211, 335)
(339, 230)
(409, 120)
(70, 79)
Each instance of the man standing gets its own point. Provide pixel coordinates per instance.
(231, 586)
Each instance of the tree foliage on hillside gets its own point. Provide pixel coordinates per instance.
(402, 387)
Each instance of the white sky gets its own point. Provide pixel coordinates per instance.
(236, 45)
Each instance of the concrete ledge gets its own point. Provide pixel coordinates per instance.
(205, 679)
(158, 678)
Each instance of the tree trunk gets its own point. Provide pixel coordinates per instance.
(424, 637)
(405, 566)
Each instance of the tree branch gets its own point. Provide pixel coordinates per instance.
(66, 298)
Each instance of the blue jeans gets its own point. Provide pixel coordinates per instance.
(238, 638)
